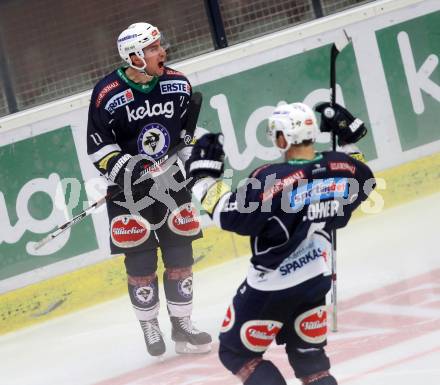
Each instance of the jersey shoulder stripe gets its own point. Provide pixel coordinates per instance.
(171, 72)
(105, 88)
(255, 173)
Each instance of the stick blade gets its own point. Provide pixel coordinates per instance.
(40, 244)
(342, 40)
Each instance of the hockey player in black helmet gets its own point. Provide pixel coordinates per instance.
(289, 210)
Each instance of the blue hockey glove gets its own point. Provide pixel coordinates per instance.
(207, 157)
(339, 120)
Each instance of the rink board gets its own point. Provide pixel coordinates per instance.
(389, 76)
(101, 282)
(107, 280)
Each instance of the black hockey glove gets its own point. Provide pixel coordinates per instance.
(337, 119)
(127, 169)
(207, 157)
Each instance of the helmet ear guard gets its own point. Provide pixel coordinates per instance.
(134, 39)
(297, 123)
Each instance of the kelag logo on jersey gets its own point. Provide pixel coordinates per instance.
(158, 109)
(319, 190)
(119, 100)
(154, 140)
(174, 87)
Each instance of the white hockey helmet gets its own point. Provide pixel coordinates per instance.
(296, 121)
(134, 39)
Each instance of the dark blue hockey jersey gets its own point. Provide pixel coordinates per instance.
(127, 119)
(288, 210)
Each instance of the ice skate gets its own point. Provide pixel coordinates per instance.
(153, 338)
(188, 339)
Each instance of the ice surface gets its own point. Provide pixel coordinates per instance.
(389, 319)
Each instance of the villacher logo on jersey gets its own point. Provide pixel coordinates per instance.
(311, 326)
(257, 335)
(184, 220)
(129, 230)
(157, 109)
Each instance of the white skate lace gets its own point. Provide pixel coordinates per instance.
(151, 331)
(186, 324)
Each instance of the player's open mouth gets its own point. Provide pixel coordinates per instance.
(161, 64)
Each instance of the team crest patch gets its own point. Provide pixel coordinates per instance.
(129, 230)
(144, 294)
(229, 320)
(311, 326)
(184, 220)
(257, 335)
(154, 140)
(185, 287)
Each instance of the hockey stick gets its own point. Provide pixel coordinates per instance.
(337, 47)
(194, 107)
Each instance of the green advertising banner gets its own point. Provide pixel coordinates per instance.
(41, 184)
(410, 54)
(238, 105)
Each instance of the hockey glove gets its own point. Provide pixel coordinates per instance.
(207, 157)
(337, 119)
(124, 169)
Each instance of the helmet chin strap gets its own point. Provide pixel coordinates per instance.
(142, 69)
(144, 64)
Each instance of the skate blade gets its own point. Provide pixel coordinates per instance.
(187, 348)
(160, 358)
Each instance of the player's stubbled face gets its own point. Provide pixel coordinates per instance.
(155, 56)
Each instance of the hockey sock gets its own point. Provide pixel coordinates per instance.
(321, 378)
(144, 296)
(260, 372)
(308, 362)
(178, 290)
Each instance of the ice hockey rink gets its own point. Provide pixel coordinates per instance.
(389, 319)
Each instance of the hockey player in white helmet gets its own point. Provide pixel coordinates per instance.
(297, 124)
(141, 109)
(141, 47)
(288, 210)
